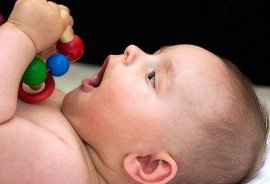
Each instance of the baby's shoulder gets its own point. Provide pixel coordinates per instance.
(40, 146)
(47, 116)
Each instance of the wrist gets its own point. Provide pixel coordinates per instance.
(18, 35)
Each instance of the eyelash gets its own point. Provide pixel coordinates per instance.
(150, 76)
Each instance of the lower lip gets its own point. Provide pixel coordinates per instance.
(85, 86)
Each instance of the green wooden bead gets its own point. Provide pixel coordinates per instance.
(35, 73)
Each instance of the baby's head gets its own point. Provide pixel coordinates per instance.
(181, 115)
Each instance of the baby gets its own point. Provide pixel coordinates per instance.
(180, 115)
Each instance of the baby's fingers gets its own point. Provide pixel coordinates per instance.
(64, 12)
(63, 9)
(54, 6)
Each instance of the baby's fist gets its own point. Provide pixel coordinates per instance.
(41, 20)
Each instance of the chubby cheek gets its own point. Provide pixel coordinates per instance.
(111, 111)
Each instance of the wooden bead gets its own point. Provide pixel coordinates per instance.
(58, 64)
(35, 73)
(73, 49)
(1, 19)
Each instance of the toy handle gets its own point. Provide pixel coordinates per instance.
(67, 35)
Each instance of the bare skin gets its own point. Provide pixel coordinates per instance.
(37, 142)
(45, 148)
(119, 126)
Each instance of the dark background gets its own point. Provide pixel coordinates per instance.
(236, 30)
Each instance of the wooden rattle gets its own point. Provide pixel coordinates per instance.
(70, 48)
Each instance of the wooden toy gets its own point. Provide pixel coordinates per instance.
(1, 19)
(38, 74)
(70, 45)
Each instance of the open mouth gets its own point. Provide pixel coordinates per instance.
(96, 80)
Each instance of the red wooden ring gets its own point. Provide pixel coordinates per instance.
(40, 96)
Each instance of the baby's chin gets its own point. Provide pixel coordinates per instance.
(70, 116)
(70, 98)
(68, 107)
(66, 111)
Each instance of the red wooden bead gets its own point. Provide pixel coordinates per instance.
(1, 19)
(73, 49)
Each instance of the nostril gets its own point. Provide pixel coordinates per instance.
(130, 53)
(128, 59)
(131, 49)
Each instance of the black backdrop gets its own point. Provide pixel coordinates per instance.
(236, 30)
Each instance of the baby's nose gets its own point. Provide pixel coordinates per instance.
(131, 53)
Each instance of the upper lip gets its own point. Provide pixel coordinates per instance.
(102, 70)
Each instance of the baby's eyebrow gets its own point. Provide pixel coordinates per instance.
(166, 77)
(161, 49)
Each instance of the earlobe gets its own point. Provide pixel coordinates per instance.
(150, 169)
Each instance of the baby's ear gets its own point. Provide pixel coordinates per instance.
(150, 169)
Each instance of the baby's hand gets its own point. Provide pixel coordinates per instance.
(41, 20)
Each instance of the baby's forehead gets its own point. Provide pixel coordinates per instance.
(194, 59)
(201, 77)
(195, 68)
(185, 54)
(187, 49)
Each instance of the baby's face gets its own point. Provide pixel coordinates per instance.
(138, 99)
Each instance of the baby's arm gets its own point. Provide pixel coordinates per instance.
(33, 26)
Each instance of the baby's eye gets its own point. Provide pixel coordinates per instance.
(151, 77)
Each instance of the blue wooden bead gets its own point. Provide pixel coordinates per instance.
(58, 64)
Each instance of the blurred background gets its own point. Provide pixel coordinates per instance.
(236, 30)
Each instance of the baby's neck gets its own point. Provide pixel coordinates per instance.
(95, 176)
